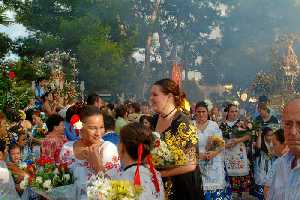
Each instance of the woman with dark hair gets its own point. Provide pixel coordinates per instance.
(48, 105)
(55, 138)
(90, 154)
(211, 161)
(70, 132)
(265, 118)
(134, 150)
(134, 110)
(263, 160)
(146, 120)
(39, 87)
(183, 180)
(236, 161)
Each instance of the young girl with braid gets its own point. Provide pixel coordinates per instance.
(134, 151)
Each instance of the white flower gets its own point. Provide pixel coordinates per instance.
(23, 185)
(67, 177)
(56, 171)
(47, 184)
(55, 177)
(78, 125)
(39, 179)
(250, 126)
(98, 186)
(24, 182)
(22, 165)
(156, 135)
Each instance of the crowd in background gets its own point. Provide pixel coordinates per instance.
(249, 164)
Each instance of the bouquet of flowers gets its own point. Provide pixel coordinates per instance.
(40, 132)
(161, 155)
(215, 143)
(50, 180)
(101, 188)
(240, 129)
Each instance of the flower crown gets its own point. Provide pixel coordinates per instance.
(75, 122)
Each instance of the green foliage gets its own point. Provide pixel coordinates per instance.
(99, 33)
(14, 94)
(5, 44)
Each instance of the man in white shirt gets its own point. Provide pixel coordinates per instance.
(286, 179)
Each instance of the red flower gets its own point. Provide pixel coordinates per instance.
(11, 75)
(42, 161)
(31, 168)
(63, 167)
(157, 143)
(75, 118)
(31, 178)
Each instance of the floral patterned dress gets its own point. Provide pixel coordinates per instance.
(52, 145)
(82, 170)
(236, 161)
(182, 141)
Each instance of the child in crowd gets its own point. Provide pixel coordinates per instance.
(110, 134)
(7, 189)
(263, 160)
(16, 165)
(134, 150)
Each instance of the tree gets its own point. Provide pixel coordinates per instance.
(5, 41)
(99, 33)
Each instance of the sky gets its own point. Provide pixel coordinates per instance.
(14, 31)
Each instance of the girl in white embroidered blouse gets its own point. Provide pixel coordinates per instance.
(90, 154)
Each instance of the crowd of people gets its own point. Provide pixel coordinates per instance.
(260, 156)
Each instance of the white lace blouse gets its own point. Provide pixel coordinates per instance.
(81, 169)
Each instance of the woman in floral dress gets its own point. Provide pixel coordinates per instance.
(236, 160)
(90, 154)
(55, 139)
(183, 180)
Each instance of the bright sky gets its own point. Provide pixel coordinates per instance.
(14, 30)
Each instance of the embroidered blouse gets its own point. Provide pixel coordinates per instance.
(81, 168)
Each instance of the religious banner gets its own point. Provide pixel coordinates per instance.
(176, 73)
